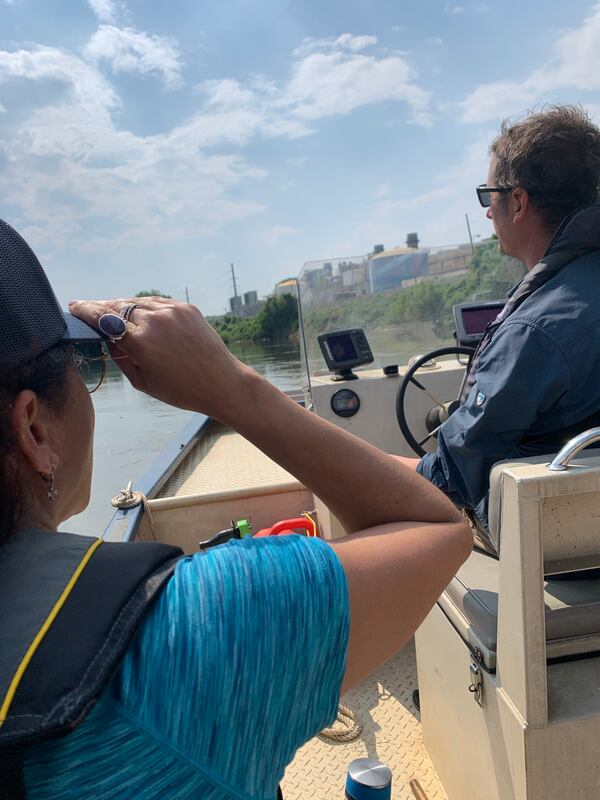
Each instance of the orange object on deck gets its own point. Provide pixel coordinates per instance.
(287, 526)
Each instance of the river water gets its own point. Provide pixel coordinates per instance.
(132, 429)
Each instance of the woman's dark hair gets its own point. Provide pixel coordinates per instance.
(554, 155)
(46, 375)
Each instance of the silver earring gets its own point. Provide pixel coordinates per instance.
(52, 492)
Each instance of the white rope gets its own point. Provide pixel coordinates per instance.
(127, 498)
(346, 727)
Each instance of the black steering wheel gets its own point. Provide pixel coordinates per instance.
(440, 412)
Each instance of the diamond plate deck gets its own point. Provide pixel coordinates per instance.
(391, 733)
(224, 461)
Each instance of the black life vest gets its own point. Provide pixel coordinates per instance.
(70, 606)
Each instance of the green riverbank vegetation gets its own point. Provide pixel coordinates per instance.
(277, 321)
(152, 293)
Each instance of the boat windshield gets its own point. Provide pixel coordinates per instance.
(402, 298)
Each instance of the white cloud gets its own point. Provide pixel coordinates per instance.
(271, 236)
(346, 41)
(326, 84)
(227, 93)
(106, 10)
(577, 60)
(258, 107)
(68, 162)
(323, 84)
(88, 86)
(128, 50)
(453, 8)
(355, 43)
(71, 166)
(574, 66)
(495, 100)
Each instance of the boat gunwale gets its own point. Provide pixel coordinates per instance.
(125, 521)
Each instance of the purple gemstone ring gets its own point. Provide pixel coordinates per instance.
(112, 326)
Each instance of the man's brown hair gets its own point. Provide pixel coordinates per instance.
(553, 154)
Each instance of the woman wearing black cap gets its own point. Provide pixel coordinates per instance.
(128, 672)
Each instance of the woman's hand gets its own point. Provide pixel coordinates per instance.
(171, 352)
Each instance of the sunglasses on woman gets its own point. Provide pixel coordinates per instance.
(90, 360)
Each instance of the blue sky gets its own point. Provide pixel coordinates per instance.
(151, 144)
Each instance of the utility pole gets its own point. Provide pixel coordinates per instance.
(187, 295)
(235, 294)
(470, 237)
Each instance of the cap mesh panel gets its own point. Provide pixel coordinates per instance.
(30, 318)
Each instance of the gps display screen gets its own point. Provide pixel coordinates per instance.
(341, 348)
(475, 320)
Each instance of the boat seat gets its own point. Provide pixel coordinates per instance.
(529, 719)
(572, 611)
(496, 495)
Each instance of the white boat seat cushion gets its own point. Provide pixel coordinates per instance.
(572, 610)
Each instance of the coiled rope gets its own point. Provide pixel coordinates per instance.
(127, 498)
(346, 727)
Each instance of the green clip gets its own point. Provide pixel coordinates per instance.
(244, 527)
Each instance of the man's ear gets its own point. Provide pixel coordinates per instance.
(31, 426)
(520, 204)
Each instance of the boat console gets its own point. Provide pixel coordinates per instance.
(509, 658)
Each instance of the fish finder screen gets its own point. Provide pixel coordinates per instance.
(341, 348)
(476, 320)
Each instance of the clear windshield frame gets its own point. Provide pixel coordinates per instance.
(402, 298)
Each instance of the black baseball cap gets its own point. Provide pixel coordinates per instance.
(31, 320)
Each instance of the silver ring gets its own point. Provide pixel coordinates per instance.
(113, 326)
(126, 310)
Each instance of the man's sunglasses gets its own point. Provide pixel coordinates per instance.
(484, 193)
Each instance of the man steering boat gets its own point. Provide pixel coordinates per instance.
(534, 380)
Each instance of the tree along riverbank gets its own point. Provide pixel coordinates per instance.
(278, 321)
